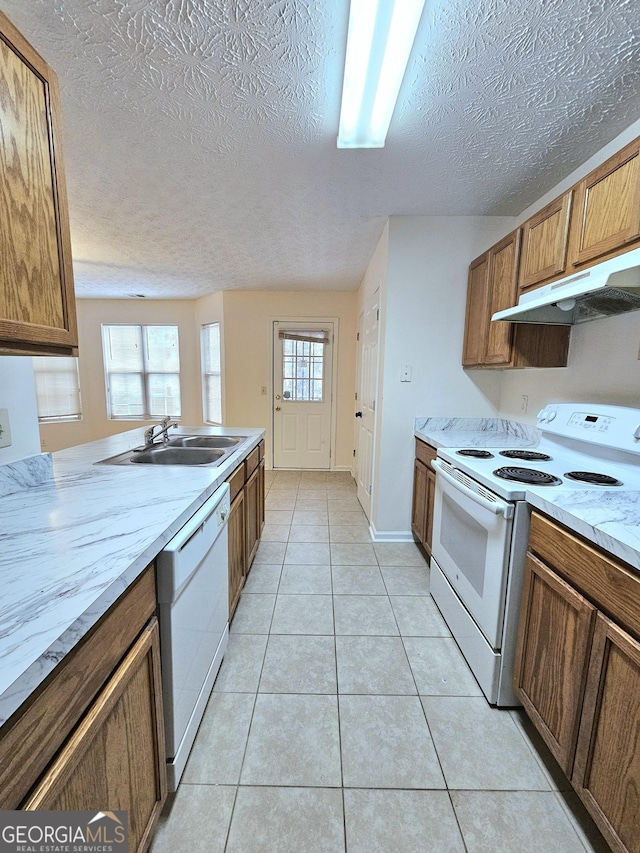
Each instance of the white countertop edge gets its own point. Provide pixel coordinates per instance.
(17, 682)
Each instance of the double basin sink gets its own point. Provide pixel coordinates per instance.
(181, 450)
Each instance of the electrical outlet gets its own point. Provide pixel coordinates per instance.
(5, 428)
(524, 403)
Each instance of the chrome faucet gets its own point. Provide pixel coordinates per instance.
(151, 435)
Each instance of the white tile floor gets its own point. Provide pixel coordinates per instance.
(344, 717)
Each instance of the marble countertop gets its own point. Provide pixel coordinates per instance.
(475, 432)
(72, 544)
(608, 518)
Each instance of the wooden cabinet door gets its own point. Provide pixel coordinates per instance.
(252, 515)
(607, 207)
(607, 766)
(237, 551)
(544, 243)
(116, 757)
(554, 638)
(431, 493)
(419, 504)
(37, 307)
(474, 325)
(502, 293)
(261, 497)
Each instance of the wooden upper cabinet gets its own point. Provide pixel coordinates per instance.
(544, 243)
(37, 305)
(476, 310)
(607, 208)
(492, 286)
(503, 282)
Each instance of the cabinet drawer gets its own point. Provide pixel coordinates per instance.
(261, 449)
(30, 739)
(251, 462)
(236, 482)
(610, 585)
(424, 452)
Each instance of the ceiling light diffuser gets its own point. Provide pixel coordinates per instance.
(379, 41)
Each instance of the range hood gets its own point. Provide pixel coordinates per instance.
(612, 287)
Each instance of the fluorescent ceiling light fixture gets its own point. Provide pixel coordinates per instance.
(379, 42)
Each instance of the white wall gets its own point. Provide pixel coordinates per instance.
(423, 321)
(18, 395)
(603, 361)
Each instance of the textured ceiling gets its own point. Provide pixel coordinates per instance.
(200, 135)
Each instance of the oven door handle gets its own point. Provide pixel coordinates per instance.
(497, 508)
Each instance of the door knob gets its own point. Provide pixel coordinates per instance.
(277, 396)
(277, 408)
(358, 414)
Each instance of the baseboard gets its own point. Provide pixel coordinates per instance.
(390, 535)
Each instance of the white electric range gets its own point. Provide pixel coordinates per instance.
(481, 522)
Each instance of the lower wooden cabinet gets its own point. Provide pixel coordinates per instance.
(606, 773)
(551, 664)
(92, 736)
(115, 758)
(577, 672)
(254, 511)
(246, 520)
(424, 482)
(237, 551)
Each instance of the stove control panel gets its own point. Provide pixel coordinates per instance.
(587, 421)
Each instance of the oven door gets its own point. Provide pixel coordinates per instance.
(471, 544)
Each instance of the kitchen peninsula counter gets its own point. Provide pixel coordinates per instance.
(71, 546)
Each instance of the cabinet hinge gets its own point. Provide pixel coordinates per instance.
(377, 313)
(358, 336)
(354, 451)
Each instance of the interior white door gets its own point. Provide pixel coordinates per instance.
(366, 399)
(303, 394)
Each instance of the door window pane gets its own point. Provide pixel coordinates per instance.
(303, 371)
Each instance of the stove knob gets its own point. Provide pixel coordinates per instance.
(551, 415)
(542, 414)
(636, 434)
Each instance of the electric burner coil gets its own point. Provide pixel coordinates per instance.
(530, 476)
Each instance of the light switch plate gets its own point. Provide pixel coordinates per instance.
(5, 429)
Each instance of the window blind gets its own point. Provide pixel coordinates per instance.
(211, 373)
(57, 388)
(308, 336)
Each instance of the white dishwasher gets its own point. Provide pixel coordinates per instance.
(193, 600)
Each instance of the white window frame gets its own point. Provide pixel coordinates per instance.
(144, 373)
(64, 371)
(208, 372)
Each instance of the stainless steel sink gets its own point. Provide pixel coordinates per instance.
(179, 456)
(222, 441)
(186, 449)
